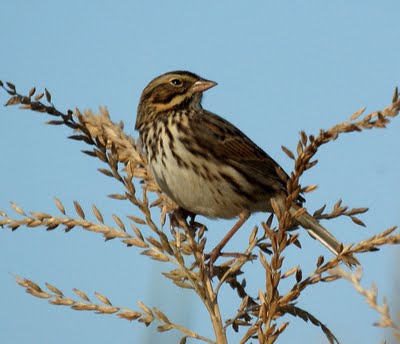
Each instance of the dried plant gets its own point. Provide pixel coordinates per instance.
(258, 315)
(371, 298)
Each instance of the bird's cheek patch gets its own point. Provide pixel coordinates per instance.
(175, 101)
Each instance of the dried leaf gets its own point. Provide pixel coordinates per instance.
(39, 96)
(24, 107)
(356, 211)
(337, 204)
(357, 221)
(106, 310)
(156, 202)
(299, 148)
(320, 261)
(14, 101)
(299, 212)
(184, 285)
(106, 172)
(103, 299)
(137, 231)
(119, 222)
(81, 294)
(163, 328)
(79, 210)
(288, 152)
(84, 138)
(17, 209)
(118, 197)
(156, 255)
(265, 248)
(309, 188)
(10, 85)
(282, 328)
(303, 137)
(90, 153)
(290, 272)
(32, 92)
(357, 114)
(48, 95)
(11, 92)
(81, 306)
(395, 95)
(311, 164)
(146, 309)
(160, 315)
(61, 301)
(299, 275)
(135, 242)
(54, 289)
(97, 213)
(55, 122)
(42, 295)
(40, 216)
(53, 226)
(137, 220)
(129, 315)
(318, 212)
(253, 234)
(59, 205)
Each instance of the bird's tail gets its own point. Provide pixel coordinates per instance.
(318, 232)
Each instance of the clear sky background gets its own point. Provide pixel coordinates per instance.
(281, 66)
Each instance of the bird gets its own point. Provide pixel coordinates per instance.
(208, 166)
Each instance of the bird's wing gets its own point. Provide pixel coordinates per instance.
(226, 142)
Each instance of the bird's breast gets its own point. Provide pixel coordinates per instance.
(196, 183)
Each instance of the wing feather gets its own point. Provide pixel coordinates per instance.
(226, 142)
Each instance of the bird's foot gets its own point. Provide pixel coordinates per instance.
(181, 214)
(177, 216)
(211, 258)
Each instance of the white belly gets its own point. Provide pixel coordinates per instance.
(194, 193)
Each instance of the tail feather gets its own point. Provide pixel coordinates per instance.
(320, 233)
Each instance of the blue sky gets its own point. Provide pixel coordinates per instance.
(281, 67)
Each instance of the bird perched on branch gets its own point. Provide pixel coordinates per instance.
(208, 166)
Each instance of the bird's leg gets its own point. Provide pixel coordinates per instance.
(216, 252)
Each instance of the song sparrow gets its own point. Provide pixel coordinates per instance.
(205, 164)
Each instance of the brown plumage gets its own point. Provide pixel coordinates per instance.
(205, 164)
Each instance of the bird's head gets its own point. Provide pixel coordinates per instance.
(171, 91)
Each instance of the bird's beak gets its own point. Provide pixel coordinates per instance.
(202, 85)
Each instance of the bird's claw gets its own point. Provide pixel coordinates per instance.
(181, 214)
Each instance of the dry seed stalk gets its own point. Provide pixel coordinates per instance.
(257, 314)
(371, 296)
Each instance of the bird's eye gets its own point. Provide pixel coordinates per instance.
(176, 82)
